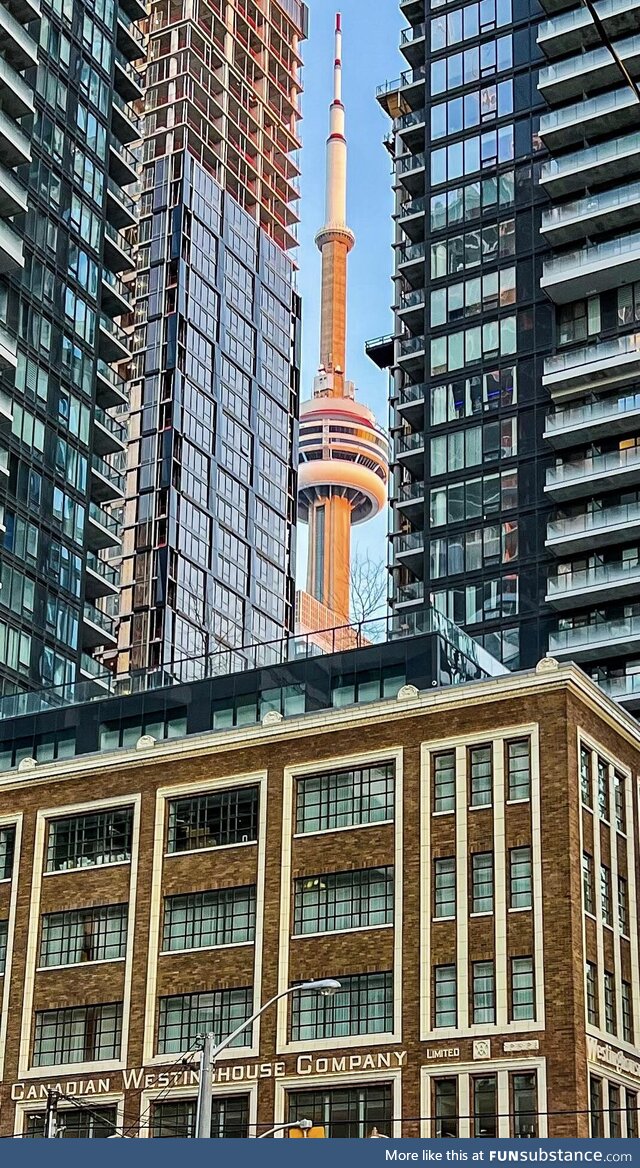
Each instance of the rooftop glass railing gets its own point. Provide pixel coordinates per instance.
(594, 577)
(620, 248)
(591, 354)
(594, 521)
(608, 407)
(596, 204)
(598, 464)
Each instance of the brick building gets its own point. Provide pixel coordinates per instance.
(463, 860)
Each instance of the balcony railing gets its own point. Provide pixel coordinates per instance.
(411, 592)
(412, 34)
(102, 568)
(111, 424)
(412, 299)
(613, 249)
(108, 472)
(407, 442)
(409, 345)
(593, 156)
(94, 668)
(592, 411)
(413, 76)
(411, 393)
(621, 687)
(595, 633)
(110, 375)
(409, 541)
(128, 113)
(413, 207)
(114, 330)
(594, 521)
(580, 111)
(590, 354)
(408, 162)
(564, 22)
(598, 464)
(99, 618)
(411, 252)
(413, 118)
(409, 491)
(596, 204)
(128, 68)
(119, 239)
(98, 515)
(595, 577)
(116, 189)
(132, 29)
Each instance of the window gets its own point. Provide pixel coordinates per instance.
(224, 916)
(520, 878)
(345, 798)
(524, 1094)
(627, 1012)
(7, 847)
(183, 1017)
(79, 1034)
(444, 884)
(72, 1123)
(588, 891)
(90, 934)
(603, 789)
(623, 906)
(485, 1119)
(615, 1126)
(345, 1112)
(632, 1114)
(481, 769)
(484, 992)
(4, 933)
(177, 1119)
(444, 781)
(585, 776)
(445, 994)
(523, 992)
(609, 1003)
(482, 882)
(445, 1109)
(83, 841)
(592, 994)
(216, 820)
(605, 895)
(358, 899)
(595, 1106)
(619, 800)
(519, 770)
(363, 1005)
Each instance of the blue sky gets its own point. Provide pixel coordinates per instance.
(370, 55)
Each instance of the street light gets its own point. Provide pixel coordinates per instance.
(326, 987)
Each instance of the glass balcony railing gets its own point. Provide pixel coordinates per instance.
(594, 633)
(408, 442)
(92, 667)
(592, 354)
(411, 592)
(125, 153)
(413, 118)
(413, 76)
(594, 521)
(620, 687)
(413, 207)
(564, 22)
(408, 162)
(103, 569)
(125, 109)
(624, 246)
(597, 204)
(581, 111)
(132, 29)
(409, 491)
(592, 577)
(411, 252)
(111, 424)
(591, 156)
(114, 331)
(122, 195)
(409, 541)
(128, 68)
(598, 464)
(126, 291)
(583, 63)
(98, 515)
(108, 472)
(411, 393)
(99, 618)
(609, 407)
(111, 376)
(119, 239)
(409, 345)
(412, 299)
(412, 34)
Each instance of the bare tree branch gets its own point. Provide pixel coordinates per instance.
(368, 586)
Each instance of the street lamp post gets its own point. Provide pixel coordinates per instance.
(210, 1052)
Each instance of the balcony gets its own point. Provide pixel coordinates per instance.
(410, 594)
(412, 43)
(13, 197)
(112, 342)
(103, 531)
(129, 39)
(412, 10)
(591, 420)
(110, 436)
(16, 95)
(606, 112)
(411, 128)
(409, 451)
(604, 211)
(599, 639)
(126, 125)
(409, 403)
(6, 410)
(24, 11)
(123, 164)
(580, 533)
(110, 389)
(618, 158)
(412, 218)
(98, 628)
(127, 80)
(101, 578)
(411, 355)
(118, 252)
(410, 499)
(625, 690)
(620, 468)
(107, 484)
(98, 677)
(408, 549)
(18, 48)
(575, 30)
(116, 296)
(15, 148)
(410, 259)
(410, 309)
(588, 270)
(585, 72)
(410, 170)
(592, 585)
(597, 367)
(8, 350)
(11, 257)
(412, 85)
(121, 209)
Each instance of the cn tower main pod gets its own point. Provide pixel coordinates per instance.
(344, 453)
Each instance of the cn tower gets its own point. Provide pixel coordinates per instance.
(344, 460)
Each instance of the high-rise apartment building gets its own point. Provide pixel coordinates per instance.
(211, 488)
(516, 466)
(67, 78)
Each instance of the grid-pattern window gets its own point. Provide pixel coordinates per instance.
(481, 776)
(482, 882)
(75, 1123)
(329, 903)
(609, 1003)
(445, 1107)
(595, 1107)
(615, 1125)
(485, 1118)
(603, 789)
(88, 934)
(198, 920)
(362, 1005)
(177, 1119)
(444, 887)
(627, 1011)
(592, 994)
(82, 841)
(345, 798)
(605, 895)
(524, 1094)
(79, 1034)
(520, 878)
(585, 777)
(445, 996)
(519, 769)
(182, 1017)
(444, 781)
(345, 1112)
(214, 820)
(619, 794)
(631, 1102)
(7, 848)
(623, 906)
(483, 992)
(588, 890)
(523, 990)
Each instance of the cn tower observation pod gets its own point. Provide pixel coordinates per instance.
(343, 454)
